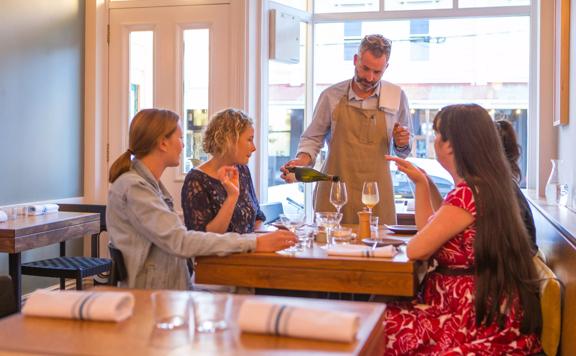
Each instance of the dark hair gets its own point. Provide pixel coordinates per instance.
(504, 270)
(511, 147)
(146, 128)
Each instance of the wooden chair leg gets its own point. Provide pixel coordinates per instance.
(62, 283)
(79, 283)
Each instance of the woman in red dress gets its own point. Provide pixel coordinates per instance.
(480, 296)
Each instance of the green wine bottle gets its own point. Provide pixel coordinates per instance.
(307, 175)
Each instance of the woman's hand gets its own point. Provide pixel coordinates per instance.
(275, 241)
(415, 174)
(228, 176)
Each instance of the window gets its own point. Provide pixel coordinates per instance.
(455, 56)
(196, 72)
(141, 64)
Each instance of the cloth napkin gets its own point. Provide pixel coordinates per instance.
(40, 209)
(389, 99)
(279, 319)
(102, 306)
(362, 251)
(3, 216)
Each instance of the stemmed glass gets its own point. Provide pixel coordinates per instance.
(338, 195)
(292, 222)
(370, 195)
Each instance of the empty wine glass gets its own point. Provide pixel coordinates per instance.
(370, 195)
(292, 222)
(338, 195)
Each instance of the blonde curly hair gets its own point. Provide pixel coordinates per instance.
(224, 129)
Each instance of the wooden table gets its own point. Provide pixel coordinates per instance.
(311, 270)
(137, 335)
(29, 232)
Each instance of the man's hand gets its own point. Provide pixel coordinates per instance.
(300, 160)
(401, 135)
(228, 176)
(275, 241)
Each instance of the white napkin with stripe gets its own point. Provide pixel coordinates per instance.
(389, 98)
(362, 251)
(102, 306)
(40, 209)
(280, 319)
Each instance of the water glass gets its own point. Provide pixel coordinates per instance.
(171, 309)
(305, 236)
(328, 220)
(374, 227)
(211, 311)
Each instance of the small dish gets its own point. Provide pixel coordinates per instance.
(402, 229)
(383, 242)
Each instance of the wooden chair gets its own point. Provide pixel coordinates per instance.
(73, 267)
(7, 297)
(119, 272)
(272, 211)
(551, 306)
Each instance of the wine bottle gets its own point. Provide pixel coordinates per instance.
(307, 175)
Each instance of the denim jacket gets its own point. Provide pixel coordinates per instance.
(142, 223)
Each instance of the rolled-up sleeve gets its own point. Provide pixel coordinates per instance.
(404, 118)
(313, 138)
(154, 221)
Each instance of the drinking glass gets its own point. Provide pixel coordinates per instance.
(370, 195)
(338, 195)
(292, 222)
(328, 220)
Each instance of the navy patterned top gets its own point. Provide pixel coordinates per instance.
(203, 196)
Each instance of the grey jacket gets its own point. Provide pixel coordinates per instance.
(142, 223)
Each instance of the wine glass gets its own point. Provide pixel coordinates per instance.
(370, 195)
(292, 222)
(338, 195)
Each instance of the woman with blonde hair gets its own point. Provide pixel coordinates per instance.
(219, 195)
(140, 215)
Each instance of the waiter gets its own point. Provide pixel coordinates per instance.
(361, 120)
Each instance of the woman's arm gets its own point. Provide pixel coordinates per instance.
(229, 178)
(422, 201)
(446, 223)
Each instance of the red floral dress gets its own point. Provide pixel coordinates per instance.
(445, 322)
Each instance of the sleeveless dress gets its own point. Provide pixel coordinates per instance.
(445, 324)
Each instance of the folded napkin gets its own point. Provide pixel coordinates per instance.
(362, 251)
(279, 319)
(3, 216)
(40, 209)
(103, 306)
(389, 98)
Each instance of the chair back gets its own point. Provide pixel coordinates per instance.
(119, 272)
(7, 297)
(551, 306)
(272, 211)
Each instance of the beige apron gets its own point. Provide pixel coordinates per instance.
(356, 154)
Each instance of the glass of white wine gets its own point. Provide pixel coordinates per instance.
(370, 195)
(338, 195)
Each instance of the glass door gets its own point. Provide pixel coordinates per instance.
(176, 58)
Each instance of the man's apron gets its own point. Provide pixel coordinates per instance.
(356, 154)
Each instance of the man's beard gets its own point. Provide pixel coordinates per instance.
(363, 83)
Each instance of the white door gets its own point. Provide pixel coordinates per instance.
(174, 57)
